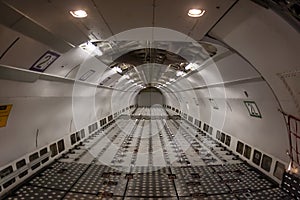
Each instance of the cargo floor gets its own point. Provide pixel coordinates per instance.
(149, 155)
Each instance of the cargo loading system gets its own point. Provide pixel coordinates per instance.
(149, 153)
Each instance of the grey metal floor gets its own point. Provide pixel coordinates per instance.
(156, 158)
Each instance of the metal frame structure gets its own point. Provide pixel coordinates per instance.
(293, 125)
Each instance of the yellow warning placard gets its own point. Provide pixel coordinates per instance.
(4, 113)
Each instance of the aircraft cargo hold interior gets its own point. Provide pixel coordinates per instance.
(150, 99)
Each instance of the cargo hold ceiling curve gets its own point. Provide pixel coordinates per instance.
(169, 61)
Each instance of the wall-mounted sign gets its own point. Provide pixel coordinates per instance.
(252, 109)
(44, 61)
(4, 113)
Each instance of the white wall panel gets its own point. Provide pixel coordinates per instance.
(49, 107)
(268, 133)
(267, 41)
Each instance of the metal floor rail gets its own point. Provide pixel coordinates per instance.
(155, 158)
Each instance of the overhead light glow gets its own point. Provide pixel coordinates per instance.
(188, 67)
(91, 49)
(196, 12)
(172, 79)
(191, 66)
(180, 73)
(117, 69)
(78, 13)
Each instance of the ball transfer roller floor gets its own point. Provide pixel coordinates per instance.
(149, 155)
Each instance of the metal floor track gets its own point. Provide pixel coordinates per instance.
(149, 158)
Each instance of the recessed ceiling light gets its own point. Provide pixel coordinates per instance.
(180, 73)
(191, 66)
(78, 13)
(117, 69)
(196, 12)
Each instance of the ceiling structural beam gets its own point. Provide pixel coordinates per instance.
(226, 83)
(207, 63)
(24, 75)
(137, 72)
(32, 29)
(153, 12)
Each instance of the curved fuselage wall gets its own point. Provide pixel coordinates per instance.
(221, 101)
(44, 111)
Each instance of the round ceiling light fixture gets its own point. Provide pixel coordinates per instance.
(194, 12)
(78, 13)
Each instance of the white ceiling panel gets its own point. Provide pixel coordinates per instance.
(172, 14)
(94, 25)
(106, 18)
(124, 15)
(215, 10)
(51, 18)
